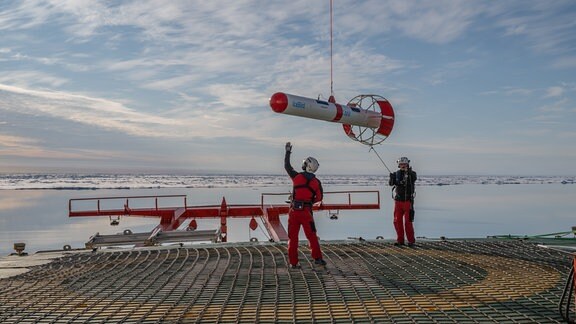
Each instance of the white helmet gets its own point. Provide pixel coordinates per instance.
(403, 160)
(310, 164)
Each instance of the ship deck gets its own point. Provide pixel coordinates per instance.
(451, 281)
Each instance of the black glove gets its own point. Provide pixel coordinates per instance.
(412, 212)
(288, 147)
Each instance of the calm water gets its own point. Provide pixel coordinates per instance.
(39, 217)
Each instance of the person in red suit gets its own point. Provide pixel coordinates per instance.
(403, 181)
(307, 190)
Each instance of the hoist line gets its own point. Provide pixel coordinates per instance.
(378, 155)
(331, 52)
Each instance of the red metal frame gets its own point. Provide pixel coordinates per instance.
(172, 217)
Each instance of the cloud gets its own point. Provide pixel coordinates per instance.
(511, 91)
(19, 146)
(195, 22)
(33, 149)
(190, 72)
(515, 30)
(92, 111)
(265, 44)
(436, 22)
(481, 147)
(555, 107)
(26, 79)
(232, 96)
(551, 92)
(27, 14)
(546, 27)
(567, 62)
(554, 92)
(16, 141)
(450, 70)
(217, 119)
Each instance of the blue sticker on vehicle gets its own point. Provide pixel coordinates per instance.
(298, 104)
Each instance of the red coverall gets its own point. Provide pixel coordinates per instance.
(307, 190)
(402, 221)
(404, 180)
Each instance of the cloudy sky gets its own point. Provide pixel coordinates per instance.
(478, 87)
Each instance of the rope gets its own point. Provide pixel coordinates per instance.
(331, 59)
(378, 155)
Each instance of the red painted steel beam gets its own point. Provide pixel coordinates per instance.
(233, 211)
(223, 215)
(177, 219)
(213, 212)
(273, 224)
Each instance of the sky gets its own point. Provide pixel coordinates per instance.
(158, 86)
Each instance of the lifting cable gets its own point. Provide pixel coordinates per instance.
(331, 55)
(378, 155)
(332, 71)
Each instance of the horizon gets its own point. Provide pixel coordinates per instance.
(240, 173)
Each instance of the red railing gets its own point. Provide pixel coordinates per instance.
(99, 211)
(171, 217)
(327, 205)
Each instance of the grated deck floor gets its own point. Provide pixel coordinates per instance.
(364, 282)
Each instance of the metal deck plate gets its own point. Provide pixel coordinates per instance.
(371, 281)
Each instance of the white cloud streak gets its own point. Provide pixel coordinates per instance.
(546, 26)
(79, 108)
(554, 92)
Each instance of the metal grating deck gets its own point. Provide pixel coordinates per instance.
(370, 281)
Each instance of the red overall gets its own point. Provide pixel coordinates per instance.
(307, 190)
(403, 181)
(402, 221)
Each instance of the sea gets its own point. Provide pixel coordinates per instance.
(34, 207)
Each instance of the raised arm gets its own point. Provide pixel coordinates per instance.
(287, 165)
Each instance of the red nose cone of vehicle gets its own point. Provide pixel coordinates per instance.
(279, 102)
